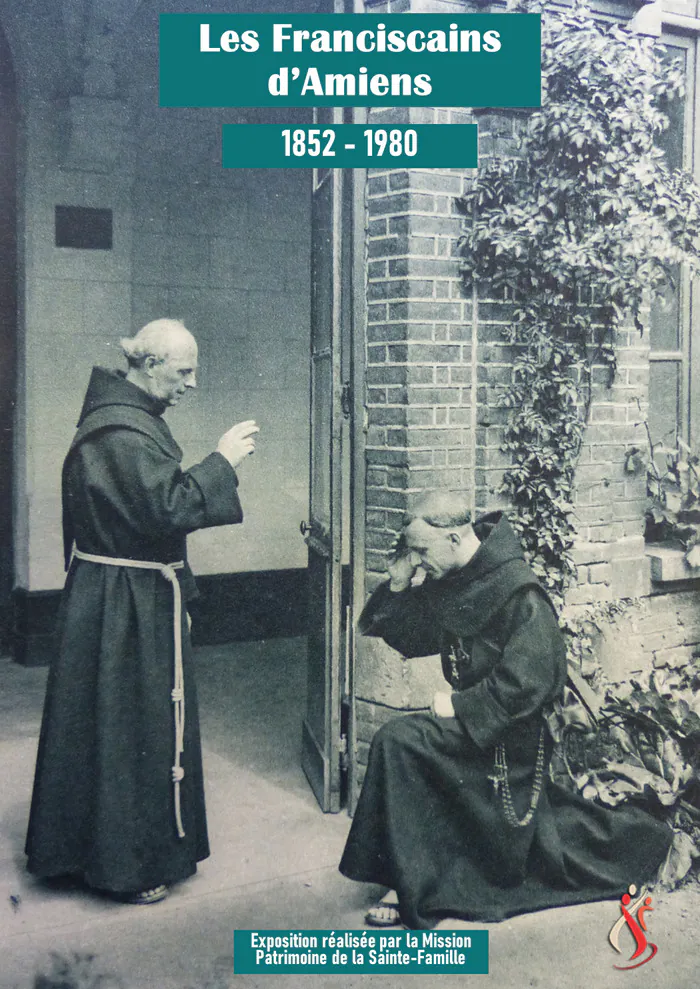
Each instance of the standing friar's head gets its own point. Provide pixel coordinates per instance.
(162, 359)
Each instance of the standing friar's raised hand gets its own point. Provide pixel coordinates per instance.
(239, 442)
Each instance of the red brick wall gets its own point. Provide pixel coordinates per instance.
(419, 351)
(436, 361)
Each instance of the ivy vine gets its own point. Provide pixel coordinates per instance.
(578, 227)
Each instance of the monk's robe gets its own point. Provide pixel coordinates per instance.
(103, 801)
(435, 820)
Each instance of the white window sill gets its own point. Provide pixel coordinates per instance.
(669, 565)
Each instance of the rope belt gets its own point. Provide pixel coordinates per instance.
(167, 570)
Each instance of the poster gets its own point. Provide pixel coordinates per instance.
(162, 229)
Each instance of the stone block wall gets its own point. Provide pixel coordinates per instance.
(226, 250)
(74, 305)
(661, 631)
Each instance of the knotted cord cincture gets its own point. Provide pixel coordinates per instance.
(177, 695)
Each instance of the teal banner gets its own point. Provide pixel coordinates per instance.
(466, 60)
(349, 146)
(440, 952)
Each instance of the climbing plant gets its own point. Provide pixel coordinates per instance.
(578, 226)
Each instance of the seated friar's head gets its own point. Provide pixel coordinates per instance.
(162, 359)
(438, 530)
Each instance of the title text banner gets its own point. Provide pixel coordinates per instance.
(466, 60)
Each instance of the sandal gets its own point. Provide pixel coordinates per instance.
(385, 913)
(154, 895)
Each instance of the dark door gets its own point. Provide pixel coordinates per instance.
(321, 745)
(8, 321)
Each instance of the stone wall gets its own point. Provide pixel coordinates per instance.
(226, 250)
(661, 631)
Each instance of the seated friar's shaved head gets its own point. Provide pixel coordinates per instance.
(442, 509)
(158, 339)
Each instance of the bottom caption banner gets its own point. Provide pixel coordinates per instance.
(284, 952)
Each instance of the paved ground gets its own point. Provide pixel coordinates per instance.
(273, 865)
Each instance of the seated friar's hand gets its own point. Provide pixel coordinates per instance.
(402, 564)
(401, 572)
(442, 706)
(239, 442)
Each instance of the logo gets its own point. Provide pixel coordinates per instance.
(633, 913)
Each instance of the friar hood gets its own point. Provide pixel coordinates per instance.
(465, 600)
(111, 402)
(109, 388)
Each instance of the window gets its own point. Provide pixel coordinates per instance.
(674, 385)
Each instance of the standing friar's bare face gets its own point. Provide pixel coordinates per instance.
(171, 376)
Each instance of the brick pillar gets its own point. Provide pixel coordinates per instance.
(610, 504)
(419, 370)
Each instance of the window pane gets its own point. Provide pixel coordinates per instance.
(671, 140)
(665, 314)
(322, 403)
(665, 317)
(664, 404)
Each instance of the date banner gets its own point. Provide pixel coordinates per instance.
(349, 146)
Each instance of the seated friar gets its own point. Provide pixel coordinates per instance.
(457, 815)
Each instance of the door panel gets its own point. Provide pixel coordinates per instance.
(8, 324)
(321, 736)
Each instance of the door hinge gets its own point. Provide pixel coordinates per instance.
(346, 399)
